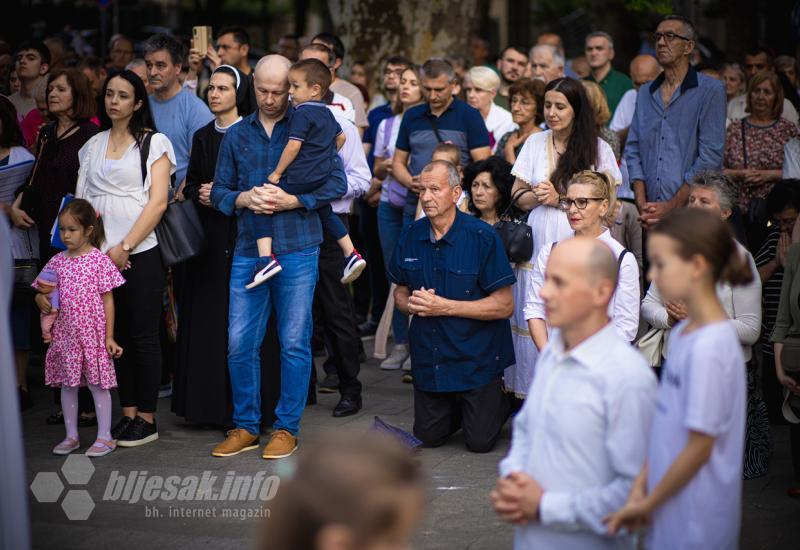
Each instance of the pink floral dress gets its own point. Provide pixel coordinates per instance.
(77, 354)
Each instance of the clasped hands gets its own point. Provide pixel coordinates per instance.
(425, 303)
(268, 199)
(516, 498)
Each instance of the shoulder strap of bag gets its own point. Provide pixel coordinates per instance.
(44, 136)
(744, 146)
(619, 260)
(432, 121)
(144, 153)
(514, 198)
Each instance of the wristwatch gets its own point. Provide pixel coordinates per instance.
(125, 246)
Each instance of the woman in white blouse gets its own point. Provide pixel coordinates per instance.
(110, 178)
(714, 191)
(480, 87)
(549, 159)
(589, 204)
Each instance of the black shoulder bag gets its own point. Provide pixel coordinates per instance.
(180, 233)
(516, 234)
(31, 202)
(435, 126)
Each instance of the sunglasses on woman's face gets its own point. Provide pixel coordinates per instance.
(579, 202)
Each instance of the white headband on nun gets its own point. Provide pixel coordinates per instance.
(235, 73)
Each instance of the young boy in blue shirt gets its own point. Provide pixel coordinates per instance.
(305, 165)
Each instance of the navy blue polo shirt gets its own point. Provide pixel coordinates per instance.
(314, 125)
(468, 263)
(460, 125)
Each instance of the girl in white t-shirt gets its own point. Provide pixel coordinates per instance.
(691, 484)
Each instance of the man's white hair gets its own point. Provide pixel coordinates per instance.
(558, 57)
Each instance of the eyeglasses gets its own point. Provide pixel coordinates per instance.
(580, 203)
(668, 36)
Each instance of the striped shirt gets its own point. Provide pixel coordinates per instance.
(771, 290)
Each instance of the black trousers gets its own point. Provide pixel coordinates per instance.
(376, 270)
(480, 413)
(333, 307)
(137, 322)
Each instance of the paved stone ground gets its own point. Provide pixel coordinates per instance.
(459, 515)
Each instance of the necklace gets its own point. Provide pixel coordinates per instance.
(114, 145)
(555, 147)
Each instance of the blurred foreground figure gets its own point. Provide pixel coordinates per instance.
(348, 493)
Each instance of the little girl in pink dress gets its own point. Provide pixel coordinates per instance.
(83, 343)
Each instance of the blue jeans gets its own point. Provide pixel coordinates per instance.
(292, 292)
(391, 223)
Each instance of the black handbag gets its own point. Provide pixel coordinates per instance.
(516, 234)
(180, 233)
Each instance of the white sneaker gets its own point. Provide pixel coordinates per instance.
(396, 358)
(407, 365)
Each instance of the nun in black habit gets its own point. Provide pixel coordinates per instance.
(202, 391)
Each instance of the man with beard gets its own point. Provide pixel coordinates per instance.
(512, 64)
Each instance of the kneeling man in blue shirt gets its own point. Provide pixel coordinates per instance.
(454, 278)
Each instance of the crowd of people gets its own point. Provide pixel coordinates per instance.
(536, 227)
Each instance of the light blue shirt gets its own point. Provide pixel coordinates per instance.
(179, 118)
(668, 145)
(582, 435)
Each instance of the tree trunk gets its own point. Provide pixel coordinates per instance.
(372, 30)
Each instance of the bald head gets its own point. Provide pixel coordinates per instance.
(591, 257)
(580, 279)
(644, 68)
(273, 67)
(271, 82)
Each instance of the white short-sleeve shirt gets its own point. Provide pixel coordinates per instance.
(703, 389)
(115, 187)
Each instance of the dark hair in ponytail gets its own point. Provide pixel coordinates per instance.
(84, 214)
(697, 231)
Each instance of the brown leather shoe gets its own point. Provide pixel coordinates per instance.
(237, 441)
(281, 444)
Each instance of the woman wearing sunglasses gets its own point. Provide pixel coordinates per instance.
(588, 202)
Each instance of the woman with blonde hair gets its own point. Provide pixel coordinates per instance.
(480, 86)
(602, 115)
(589, 204)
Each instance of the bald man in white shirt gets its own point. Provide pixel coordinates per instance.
(580, 438)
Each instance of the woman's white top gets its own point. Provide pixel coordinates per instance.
(115, 187)
(535, 163)
(624, 306)
(741, 303)
(703, 389)
(384, 147)
(499, 123)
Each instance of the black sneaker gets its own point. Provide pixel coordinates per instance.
(138, 433)
(121, 426)
(330, 384)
